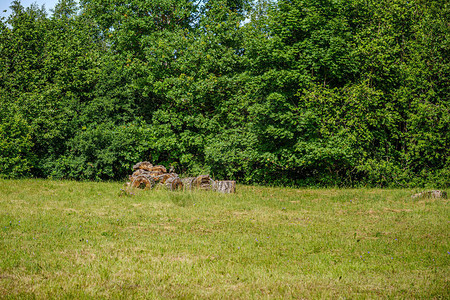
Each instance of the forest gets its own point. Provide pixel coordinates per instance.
(291, 92)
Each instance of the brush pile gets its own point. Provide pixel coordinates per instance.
(147, 176)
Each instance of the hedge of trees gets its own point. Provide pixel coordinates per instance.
(289, 92)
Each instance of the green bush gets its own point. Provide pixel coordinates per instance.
(312, 92)
(104, 151)
(16, 157)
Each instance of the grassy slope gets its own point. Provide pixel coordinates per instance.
(73, 239)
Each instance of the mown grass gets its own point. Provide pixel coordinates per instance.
(63, 239)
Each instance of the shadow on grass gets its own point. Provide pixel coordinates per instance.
(183, 199)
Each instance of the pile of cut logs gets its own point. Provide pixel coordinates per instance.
(147, 176)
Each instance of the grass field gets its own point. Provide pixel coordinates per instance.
(64, 239)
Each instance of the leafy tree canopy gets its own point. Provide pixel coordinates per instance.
(292, 92)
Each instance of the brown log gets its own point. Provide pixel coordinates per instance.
(164, 177)
(143, 182)
(161, 169)
(145, 165)
(226, 186)
(187, 182)
(174, 183)
(139, 172)
(202, 182)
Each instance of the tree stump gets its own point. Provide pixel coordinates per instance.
(225, 186)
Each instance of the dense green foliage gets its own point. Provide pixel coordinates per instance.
(302, 92)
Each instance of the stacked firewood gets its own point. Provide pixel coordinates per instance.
(147, 176)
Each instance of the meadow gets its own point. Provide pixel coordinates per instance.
(68, 239)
